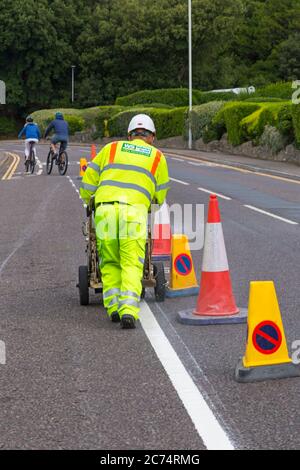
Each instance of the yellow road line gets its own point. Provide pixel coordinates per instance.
(12, 168)
(241, 170)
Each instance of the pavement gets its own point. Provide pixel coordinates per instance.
(74, 380)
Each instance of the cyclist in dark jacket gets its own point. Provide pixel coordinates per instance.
(61, 132)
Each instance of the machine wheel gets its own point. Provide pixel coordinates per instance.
(83, 285)
(160, 288)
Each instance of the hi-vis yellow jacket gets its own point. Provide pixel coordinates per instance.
(130, 172)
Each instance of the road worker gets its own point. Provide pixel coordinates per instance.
(125, 177)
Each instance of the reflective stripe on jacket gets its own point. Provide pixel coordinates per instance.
(131, 172)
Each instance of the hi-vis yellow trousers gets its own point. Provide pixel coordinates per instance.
(121, 232)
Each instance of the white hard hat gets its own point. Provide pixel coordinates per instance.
(141, 121)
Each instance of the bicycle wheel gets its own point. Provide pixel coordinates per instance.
(32, 162)
(49, 162)
(63, 163)
(27, 163)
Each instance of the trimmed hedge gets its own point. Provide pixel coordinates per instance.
(8, 127)
(230, 117)
(176, 97)
(86, 117)
(296, 122)
(201, 119)
(76, 123)
(104, 114)
(263, 99)
(282, 90)
(168, 122)
(172, 97)
(272, 114)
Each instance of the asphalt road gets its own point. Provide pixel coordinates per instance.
(72, 379)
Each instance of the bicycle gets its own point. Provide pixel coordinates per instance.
(30, 162)
(61, 160)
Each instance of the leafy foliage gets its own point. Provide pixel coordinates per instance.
(168, 122)
(201, 118)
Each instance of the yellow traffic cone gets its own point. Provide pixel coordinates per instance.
(266, 354)
(183, 280)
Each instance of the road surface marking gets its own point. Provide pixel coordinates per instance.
(241, 170)
(74, 186)
(196, 164)
(205, 422)
(40, 165)
(271, 215)
(179, 181)
(177, 159)
(217, 194)
(12, 168)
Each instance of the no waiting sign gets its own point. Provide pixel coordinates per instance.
(183, 264)
(267, 337)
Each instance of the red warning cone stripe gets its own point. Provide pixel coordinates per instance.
(214, 216)
(162, 233)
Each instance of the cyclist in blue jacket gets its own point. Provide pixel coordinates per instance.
(61, 132)
(32, 133)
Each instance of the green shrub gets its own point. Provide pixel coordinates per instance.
(285, 122)
(263, 99)
(268, 114)
(168, 122)
(8, 127)
(176, 97)
(296, 122)
(208, 96)
(272, 139)
(201, 119)
(76, 123)
(45, 116)
(104, 114)
(229, 118)
(170, 96)
(282, 90)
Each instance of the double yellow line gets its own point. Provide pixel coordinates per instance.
(12, 168)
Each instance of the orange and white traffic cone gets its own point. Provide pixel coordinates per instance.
(93, 152)
(162, 235)
(216, 302)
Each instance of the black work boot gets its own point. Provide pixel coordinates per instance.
(115, 317)
(127, 321)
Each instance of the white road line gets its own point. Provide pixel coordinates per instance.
(196, 164)
(205, 422)
(40, 165)
(271, 215)
(74, 186)
(177, 159)
(217, 194)
(179, 181)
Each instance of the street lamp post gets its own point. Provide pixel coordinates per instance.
(73, 82)
(190, 74)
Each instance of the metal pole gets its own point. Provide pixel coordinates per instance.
(73, 82)
(190, 75)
